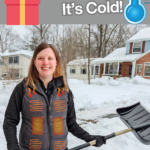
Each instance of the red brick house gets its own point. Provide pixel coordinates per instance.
(129, 61)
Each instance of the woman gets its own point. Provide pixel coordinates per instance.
(47, 107)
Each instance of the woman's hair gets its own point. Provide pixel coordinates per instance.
(33, 74)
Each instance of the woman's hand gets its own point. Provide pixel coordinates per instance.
(100, 140)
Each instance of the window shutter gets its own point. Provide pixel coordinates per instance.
(131, 45)
(143, 46)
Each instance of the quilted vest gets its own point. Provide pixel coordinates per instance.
(44, 124)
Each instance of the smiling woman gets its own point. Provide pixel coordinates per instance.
(45, 64)
(47, 107)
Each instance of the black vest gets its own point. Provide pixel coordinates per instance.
(44, 124)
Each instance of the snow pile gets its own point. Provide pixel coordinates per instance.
(75, 82)
(99, 81)
(123, 79)
(105, 80)
(140, 80)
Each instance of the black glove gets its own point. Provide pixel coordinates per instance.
(100, 140)
(16, 149)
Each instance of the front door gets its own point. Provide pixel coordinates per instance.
(130, 70)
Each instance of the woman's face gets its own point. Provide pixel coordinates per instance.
(45, 63)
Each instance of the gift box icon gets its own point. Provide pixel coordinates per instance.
(22, 12)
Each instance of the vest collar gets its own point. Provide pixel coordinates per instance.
(57, 82)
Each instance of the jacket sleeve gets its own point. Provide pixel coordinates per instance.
(12, 118)
(73, 126)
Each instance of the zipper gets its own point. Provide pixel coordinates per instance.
(49, 111)
(50, 100)
(48, 118)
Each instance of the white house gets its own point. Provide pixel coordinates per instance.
(78, 69)
(17, 62)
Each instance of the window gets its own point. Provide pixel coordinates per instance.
(72, 71)
(137, 47)
(10, 60)
(14, 60)
(147, 69)
(139, 68)
(83, 71)
(111, 68)
(96, 70)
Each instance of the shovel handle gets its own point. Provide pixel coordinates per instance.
(118, 133)
(106, 138)
(84, 145)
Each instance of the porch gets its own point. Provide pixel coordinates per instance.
(116, 69)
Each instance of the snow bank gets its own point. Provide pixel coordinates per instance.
(106, 80)
(75, 82)
(107, 91)
(140, 80)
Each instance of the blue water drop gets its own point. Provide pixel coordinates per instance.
(135, 12)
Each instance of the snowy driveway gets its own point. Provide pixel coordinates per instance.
(94, 103)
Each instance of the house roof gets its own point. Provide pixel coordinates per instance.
(83, 61)
(142, 35)
(21, 52)
(119, 55)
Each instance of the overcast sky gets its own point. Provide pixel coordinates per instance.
(20, 29)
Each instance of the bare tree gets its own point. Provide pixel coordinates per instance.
(8, 39)
(40, 31)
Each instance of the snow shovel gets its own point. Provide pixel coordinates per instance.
(136, 118)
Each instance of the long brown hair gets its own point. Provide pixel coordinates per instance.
(33, 74)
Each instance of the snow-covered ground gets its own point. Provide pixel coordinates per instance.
(96, 106)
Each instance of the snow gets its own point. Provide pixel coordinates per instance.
(96, 106)
(119, 55)
(20, 52)
(140, 36)
(84, 61)
(141, 81)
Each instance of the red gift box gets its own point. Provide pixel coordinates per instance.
(22, 12)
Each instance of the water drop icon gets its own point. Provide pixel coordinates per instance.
(135, 12)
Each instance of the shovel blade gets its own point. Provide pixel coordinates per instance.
(137, 118)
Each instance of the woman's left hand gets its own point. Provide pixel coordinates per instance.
(100, 140)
